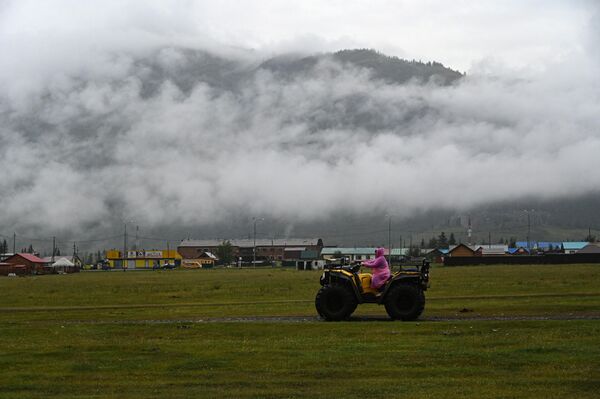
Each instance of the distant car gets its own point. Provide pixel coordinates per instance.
(168, 266)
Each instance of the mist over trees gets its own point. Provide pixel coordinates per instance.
(194, 142)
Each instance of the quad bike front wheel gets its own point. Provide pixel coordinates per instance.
(405, 302)
(335, 302)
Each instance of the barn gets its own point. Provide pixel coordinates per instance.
(32, 264)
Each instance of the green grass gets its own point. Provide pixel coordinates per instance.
(81, 339)
(367, 359)
(491, 291)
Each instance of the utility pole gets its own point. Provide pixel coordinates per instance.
(489, 239)
(53, 248)
(169, 253)
(124, 246)
(254, 249)
(528, 232)
(14, 243)
(390, 241)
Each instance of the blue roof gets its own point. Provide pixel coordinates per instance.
(574, 244)
(540, 244)
(513, 250)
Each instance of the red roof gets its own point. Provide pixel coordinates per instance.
(31, 258)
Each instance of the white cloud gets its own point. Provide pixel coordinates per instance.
(80, 143)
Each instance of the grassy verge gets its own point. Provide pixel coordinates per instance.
(70, 347)
(372, 359)
(486, 291)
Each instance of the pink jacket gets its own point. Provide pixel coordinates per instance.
(381, 270)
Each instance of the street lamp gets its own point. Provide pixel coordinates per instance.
(254, 249)
(389, 239)
(125, 256)
(527, 211)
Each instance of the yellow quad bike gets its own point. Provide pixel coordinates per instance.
(344, 287)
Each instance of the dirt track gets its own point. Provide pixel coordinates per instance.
(252, 303)
(313, 319)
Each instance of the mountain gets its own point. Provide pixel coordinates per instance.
(193, 143)
(392, 70)
(186, 68)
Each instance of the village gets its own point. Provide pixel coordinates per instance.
(295, 253)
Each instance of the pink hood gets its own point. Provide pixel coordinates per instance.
(381, 270)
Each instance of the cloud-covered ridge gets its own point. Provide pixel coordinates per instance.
(179, 136)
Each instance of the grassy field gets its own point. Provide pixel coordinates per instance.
(138, 335)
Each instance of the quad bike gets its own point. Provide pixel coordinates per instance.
(344, 287)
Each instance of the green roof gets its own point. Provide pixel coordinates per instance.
(571, 245)
(309, 254)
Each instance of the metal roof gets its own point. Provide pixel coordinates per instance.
(310, 254)
(574, 244)
(248, 243)
(540, 244)
(514, 250)
(30, 257)
(349, 251)
(590, 249)
(493, 251)
(496, 247)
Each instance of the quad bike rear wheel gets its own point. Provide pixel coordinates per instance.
(405, 302)
(335, 302)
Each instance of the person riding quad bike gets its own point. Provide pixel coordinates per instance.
(381, 270)
(344, 287)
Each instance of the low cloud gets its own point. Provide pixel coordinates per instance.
(95, 137)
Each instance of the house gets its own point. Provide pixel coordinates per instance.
(8, 269)
(541, 246)
(571, 247)
(266, 249)
(491, 250)
(461, 250)
(205, 260)
(433, 255)
(362, 253)
(143, 259)
(32, 264)
(5, 256)
(518, 251)
(400, 254)
(592, 248)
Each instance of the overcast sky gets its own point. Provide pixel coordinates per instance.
(460, 33)
(80, 145)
